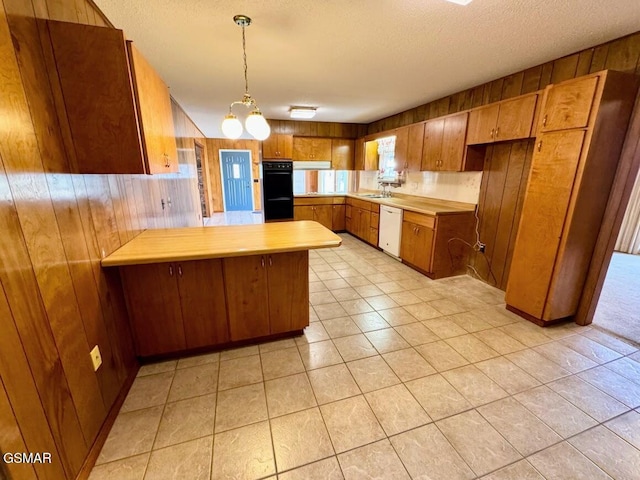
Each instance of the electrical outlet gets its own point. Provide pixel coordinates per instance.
(96, 358)
(481, 247)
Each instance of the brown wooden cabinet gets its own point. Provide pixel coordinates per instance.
(170, 310)
(326, 210)
(359, 160)
(444, 144)
(338, 220)
(277, 146)
(371, 156)
(342, 154)
(362, 219)
(572, 171)
(408, 150)
(311, 148)
(116, 107)
(507, 120)
(266, 294)
(416, 243)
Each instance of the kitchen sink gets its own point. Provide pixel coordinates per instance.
(370, 195)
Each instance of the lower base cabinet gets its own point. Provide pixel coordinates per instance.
(416, 245)
(327, 211)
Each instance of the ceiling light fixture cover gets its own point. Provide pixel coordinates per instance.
(255, 123)
(460, 2)
(302, 112)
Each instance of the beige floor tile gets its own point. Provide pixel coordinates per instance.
(300, 438)
(423, 311)
(315, 287)
(610, 341)
(562, 462)
(340, 327)
(198, 360)
(446, 306)
(190, 460)
(281, 363)
(441, 356)
(320, 298)
(348, 272)
(239, 352)
(537, 366)
(244, 453)
(132, 433)
(397, 316)
(381, 302)
(521, 470)
(486, 450)
(368, 291)
(378, 278)
(471, 348)
(626, 367)
(344, 294)
(389, 287)
(404, 298)
(416, 333)
(351, 423)
(408, 364)
(378, 460)
(590, 348)
(354, 347)
(500, 341)
(186, 420)
(372, 373)
(565, 357)
(289, 394)
(396, 409)
(521, 428)
(527, 333)
(588, 398)
(470, 322)
(131, 468)
(474, 385)
(313, 277)
(336, 284)
(313, 316)
(627, 426)
(507, 374)
(315, 332)
(159, 367)
(442, 461)
(333, 383)
(560, 414)
(327, 469)
(370, 321)
(358, 281)
(617, 386)
(319, 354)
(239, 372)
(386, 340)
(327, 311)
(148, 391)
(240, 406)
(438, 397)
(329, 274)
(354, 307)
(427, 294)
(277, 345)
(494, 315)
(599, 445)
(444, 328)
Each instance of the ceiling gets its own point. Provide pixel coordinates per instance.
(356, 60)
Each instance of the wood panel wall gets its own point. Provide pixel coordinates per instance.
(318, 129)
(56, 302)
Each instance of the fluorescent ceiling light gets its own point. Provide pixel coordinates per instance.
(302, 112)
(460, 2)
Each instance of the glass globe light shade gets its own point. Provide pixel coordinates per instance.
(231, 126)
(257, 125)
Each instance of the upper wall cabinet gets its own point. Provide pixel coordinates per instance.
(342, 157)
(408, 153)
(278, 146)
(444, 145)
(569, 105)
(311, 148)
(117, 107)
(507, 120)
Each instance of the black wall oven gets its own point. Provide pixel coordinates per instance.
(277, 188)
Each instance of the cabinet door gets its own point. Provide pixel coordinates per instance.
(342, 154)
(358, 161)
(482, 125)
(247, 296)
(204, 309)
(432, 147)
(156, 118)
(277, 146)
(401, 148)
(338, 220)
(553, 170)
(303, 212)
(407, 241)
(288, 275)
(270, 146)
(364, 223)
(568, 105)
(453, 142)
(371, 155)
(323, 214)
(414, 148)
(516, 118)
(422, 247)
(310, 148)
(153, 302)
(373, 236)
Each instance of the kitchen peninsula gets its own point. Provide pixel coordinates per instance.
(194, 288)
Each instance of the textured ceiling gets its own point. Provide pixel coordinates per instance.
(356, 60)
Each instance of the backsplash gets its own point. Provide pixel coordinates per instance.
(454, 186)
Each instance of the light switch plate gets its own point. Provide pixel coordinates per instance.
(96, 358)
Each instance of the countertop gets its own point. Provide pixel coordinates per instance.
(425, 205)
(199, 243)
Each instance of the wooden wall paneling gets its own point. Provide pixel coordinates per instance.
(531, 79)
(12, 441)
(565, 68)
(599, 58)
(584, 62)
(215, 182)
(82, 12)
(40, 8)
(512, 86)
(102, 213)
(495, 90)
(62, 10)
(545, 75)
(119, 209)
(623, 54)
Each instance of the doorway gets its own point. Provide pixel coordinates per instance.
(202, 180)
(237, 191)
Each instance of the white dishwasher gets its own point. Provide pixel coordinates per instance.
(390, 230)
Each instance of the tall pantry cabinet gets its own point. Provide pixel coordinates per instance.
(580, 135)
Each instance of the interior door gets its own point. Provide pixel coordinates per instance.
(236, 180)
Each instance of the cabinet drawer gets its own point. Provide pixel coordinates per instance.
(363, 204)
(338, 200)
(375, 207)
(375, 220)
(313, 201)
(420, 219)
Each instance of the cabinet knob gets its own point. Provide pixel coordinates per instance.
(179, 269)
(544, 121)
(497, 131)
(270, 261)
(262, 261)
(540, 145)
(171, 270)
(492, 132)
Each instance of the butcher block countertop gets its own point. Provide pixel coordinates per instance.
(199, 243)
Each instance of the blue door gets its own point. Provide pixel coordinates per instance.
(236, 178)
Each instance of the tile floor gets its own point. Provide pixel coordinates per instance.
(397, 377)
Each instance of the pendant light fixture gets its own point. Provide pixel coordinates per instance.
(255, 123)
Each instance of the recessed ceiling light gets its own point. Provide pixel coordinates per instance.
(302, 112)
(460, 2)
